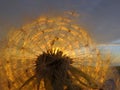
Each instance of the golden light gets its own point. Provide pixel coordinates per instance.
(22, 47)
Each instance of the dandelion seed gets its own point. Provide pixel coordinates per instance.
(50, 54)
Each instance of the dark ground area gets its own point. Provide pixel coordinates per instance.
(118, 69)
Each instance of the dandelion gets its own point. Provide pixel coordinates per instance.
(52, 53)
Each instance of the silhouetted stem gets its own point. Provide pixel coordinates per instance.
(47, 84)
(89, 79)
(27, 82)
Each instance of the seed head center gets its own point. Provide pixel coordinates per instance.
(51, 62)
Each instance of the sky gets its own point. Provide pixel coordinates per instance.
(99, 17)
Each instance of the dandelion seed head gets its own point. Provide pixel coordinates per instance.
(25, 45)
